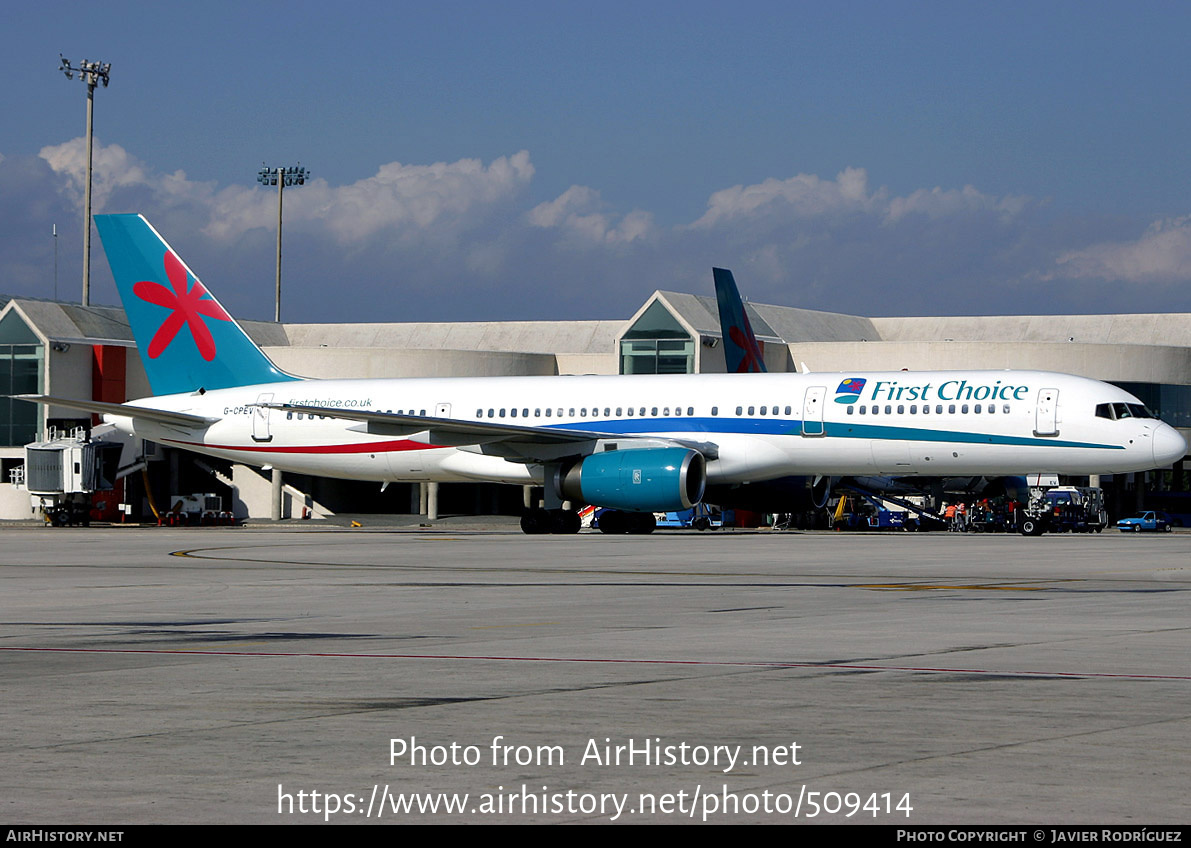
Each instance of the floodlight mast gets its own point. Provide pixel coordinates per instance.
(90, 73)
(281, 177)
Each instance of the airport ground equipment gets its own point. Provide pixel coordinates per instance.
(204, 509)
(1064, 509)
(700, 517)
(63, 472)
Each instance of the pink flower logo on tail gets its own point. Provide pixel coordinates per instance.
(187, 307)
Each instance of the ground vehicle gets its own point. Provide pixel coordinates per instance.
(1064, 509)
(1148, 520)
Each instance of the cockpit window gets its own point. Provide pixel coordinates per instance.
(1117, 411)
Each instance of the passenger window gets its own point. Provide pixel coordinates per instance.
(901, 409)
(951, 409)
(642, 412)
(289, 416)
(513, 413)
(690, 410)
(751, 408)
(964, 410)
(502, 413)
(715, 410)
(548, 411)
(618, 411)
(787, 410)
(888, 409)
(630, 412)
(1005, 409)
(763, 410)
(537, 413)
(479, 413)
(525, 413)
(571, 412)
(607, 412)
(740, 410)
(666, 412)
(862, 409)
(654, 412)
(492, 413)
(913, 409)
(850, 411)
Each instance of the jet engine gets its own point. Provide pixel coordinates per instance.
(640, 480)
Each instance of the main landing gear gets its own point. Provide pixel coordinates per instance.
(615, 521)
(539, 521)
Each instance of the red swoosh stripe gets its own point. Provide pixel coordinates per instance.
(364, 447)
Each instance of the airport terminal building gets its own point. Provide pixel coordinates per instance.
(68, 350)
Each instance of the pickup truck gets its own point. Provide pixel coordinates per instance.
(1148, 520)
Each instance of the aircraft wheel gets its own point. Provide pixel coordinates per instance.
(536, 522)
(1029, 527)
(701, 523)
(642, 523)
(613, 521)
(565, 521)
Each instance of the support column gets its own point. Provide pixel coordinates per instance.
(527, 497)
(421, 499)
(276, 479)
(432, 501)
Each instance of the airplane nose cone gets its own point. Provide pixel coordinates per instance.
(1169, 446)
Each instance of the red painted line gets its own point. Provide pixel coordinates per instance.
(743, 663)
(363, 447)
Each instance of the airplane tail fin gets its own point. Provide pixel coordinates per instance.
(742, 351)
(186, 339)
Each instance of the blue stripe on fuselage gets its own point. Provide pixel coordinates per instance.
(833, 429)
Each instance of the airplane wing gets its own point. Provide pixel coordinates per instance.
(158, 416)
(514, 441)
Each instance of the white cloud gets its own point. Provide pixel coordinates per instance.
(805, 196)
(939, 203)
(576, 212)
(1162, 254)
(112, 168)
(399, 198)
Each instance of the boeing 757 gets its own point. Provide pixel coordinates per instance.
(634, 444)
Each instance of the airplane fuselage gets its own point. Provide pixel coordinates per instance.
(763, 426)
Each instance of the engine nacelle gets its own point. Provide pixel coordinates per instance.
(821, 492)
(641, 480)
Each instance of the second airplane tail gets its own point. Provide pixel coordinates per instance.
(186, 339)
(742, 351)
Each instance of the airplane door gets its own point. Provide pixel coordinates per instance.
(260, 419)
(1046, 416)
(812, 411)
(442, 410)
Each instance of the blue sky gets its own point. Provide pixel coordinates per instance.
(526, 160)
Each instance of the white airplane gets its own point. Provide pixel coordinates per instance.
(635, 444)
